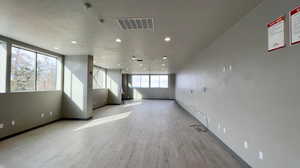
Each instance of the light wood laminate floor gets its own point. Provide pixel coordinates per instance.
(147, 134)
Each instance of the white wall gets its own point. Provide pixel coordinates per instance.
(26, 110)
(78, 100)
(100, 97)
(258, 101)
(114, 86)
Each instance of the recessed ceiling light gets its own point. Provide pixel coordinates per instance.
(118, 40)
(74, 42)
(56, 48)
(163, 64)
(167, 39)
(134, 58)
(165, 57)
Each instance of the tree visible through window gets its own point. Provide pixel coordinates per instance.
(46, 72)
(22, 70)
(33, 71)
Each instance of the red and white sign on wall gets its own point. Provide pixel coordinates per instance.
(276, 34)
(295, 25)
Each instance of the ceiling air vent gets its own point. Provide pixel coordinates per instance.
(136, 23)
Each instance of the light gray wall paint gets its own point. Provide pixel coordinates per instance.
(114, 85)
(77, 102)
(100, 97)
(154, 93)
(25, 108)
(258, 101)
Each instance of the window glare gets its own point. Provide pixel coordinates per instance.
(3, 57)
(163, 81)
(136, 81)
(156, 81)
(144, 81)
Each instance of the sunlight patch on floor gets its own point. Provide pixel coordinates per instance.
(132, 104)
(103, 120)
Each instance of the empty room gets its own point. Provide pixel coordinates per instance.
(149, 84)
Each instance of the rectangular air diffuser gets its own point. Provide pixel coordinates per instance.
(136, 23)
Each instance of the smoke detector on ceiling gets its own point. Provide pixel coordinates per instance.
(140, 23)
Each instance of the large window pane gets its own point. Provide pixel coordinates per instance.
(95, 78)
(22, 70)
(144, 81)
(46, 72)
(136, 81)
(163, 81)
(154, 81)
(99, 78)
(3, 57)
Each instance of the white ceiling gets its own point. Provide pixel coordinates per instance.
(191, 24)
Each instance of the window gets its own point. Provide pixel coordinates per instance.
(163, 81)
(144, 81)
(22, 70)
(159, 81)
(154, 81)
(46, 72)
(99, 78)
(140, 81)
(3, 57)
(33, 71)
(136, 81)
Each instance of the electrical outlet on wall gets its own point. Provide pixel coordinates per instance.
(13, 123)
(42, 115)
(1, 125)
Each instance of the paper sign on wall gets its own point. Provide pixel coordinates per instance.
(276, 34)
(295, 25)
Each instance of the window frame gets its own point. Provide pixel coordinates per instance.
(149, 81)
(59, 71)
(34, 68)
(159, 85)
(37, 75)
(136, 75)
